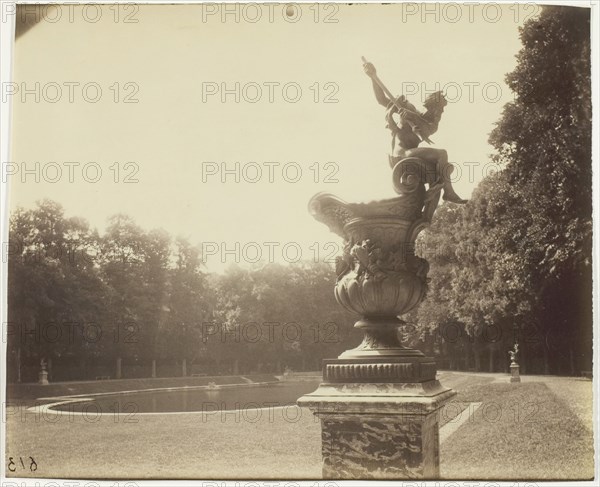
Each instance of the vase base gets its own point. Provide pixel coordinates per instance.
(387, 353)
(378, 369)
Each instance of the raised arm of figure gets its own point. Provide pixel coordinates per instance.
(380, 96)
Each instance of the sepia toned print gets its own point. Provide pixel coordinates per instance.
(299, 243)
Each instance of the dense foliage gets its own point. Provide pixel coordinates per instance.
(515, 263)
(81, 301)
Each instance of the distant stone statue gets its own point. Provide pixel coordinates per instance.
(515, 375)
(513, 354)
(43, 373)
(413, 128)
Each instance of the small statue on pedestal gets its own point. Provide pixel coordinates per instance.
(515, 376)
(43, 374)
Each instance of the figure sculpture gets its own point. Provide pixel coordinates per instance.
(513, 354)
(43, 373)
(414, 128)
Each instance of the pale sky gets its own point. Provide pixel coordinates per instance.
(172, 56)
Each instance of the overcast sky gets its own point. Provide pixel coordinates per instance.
(176, 60)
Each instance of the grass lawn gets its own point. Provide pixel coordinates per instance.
(521, 431)
(526, 430)
(228, 445)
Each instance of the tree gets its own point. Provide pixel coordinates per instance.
(544, 140)
(55, 290)
(520, 258)
(190, 306)
(135, 266)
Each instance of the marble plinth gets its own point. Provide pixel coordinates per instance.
(514, 373)
(43, 377)
(382, 423)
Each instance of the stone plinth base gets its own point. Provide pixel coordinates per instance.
(43, 377)
(377, 426)
(514, 373)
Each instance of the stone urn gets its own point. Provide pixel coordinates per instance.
(379, 277)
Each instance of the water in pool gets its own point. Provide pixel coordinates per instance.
(275, 395)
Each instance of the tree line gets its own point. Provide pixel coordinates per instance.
(82, 301)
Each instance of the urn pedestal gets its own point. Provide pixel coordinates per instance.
(379, 402)
(374, 430)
